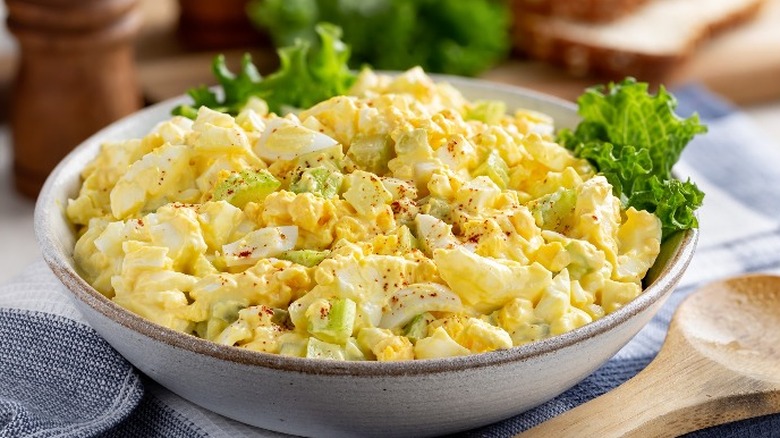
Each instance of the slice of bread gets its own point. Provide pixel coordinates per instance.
(645, 43)
(582, 10)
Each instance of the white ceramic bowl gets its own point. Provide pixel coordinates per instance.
(325, 398)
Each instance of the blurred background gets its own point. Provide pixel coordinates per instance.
(69, 68)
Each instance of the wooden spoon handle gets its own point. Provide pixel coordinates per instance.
(719, 363)
(664, 401)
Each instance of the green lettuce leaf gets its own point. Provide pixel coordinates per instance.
(673, 201)
(305, 77)
(634, 138)
(442, 36)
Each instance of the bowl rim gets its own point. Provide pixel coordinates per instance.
(48, 205)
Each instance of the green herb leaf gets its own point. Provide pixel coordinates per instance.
(634, 138)
(236, 87)
(304, 78)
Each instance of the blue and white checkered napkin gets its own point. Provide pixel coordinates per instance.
(59, 378)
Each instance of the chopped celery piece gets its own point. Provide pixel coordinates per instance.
(488, 111)
(293, 349)
(332, 320)
(201, 328)
(281, 317)
(352, 350)
(414, 140)
(495, 168)
(227, 310)
(293, 344)
(555, 211)
(332, 158)
(305, 257)
(417, 328)
(406, 240)
(437, 208)
(318, 180)
(247, 185)
(371, 152)
(223, 313)
(317, 349)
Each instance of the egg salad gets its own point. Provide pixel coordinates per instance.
(400, 221)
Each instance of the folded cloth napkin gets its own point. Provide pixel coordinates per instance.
(59, 378)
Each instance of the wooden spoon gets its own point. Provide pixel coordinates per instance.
(720, 363)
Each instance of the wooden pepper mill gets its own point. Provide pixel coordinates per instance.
(76, 75)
